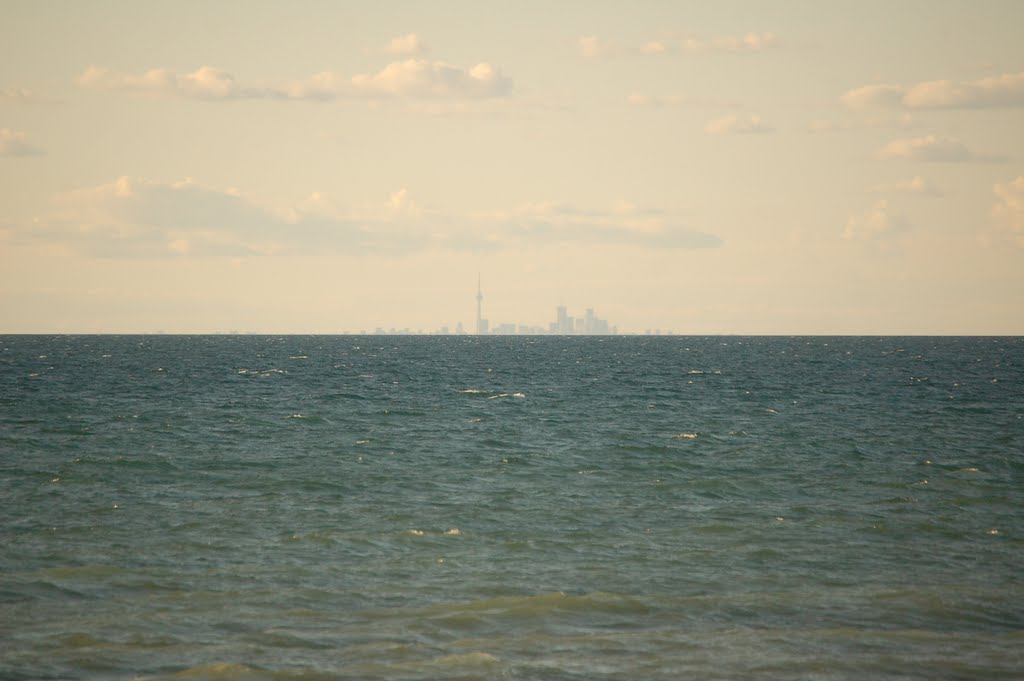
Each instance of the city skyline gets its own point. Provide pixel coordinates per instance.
(564, 324)
(841, 168)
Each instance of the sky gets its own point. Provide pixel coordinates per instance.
(334, 167)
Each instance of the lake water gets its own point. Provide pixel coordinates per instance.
(371, 507)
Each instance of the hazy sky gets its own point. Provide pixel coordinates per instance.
(706, 167)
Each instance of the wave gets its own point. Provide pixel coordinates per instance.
(492, 394)
(223, 671)
(263, 373)
(451, 532)
(474, 659)
(534, 606)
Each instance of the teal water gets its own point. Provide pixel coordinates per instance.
(303, 507)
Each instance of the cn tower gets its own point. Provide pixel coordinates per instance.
(479, 302)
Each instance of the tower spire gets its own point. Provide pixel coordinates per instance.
(479, 303)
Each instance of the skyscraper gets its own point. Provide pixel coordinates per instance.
(564, 324)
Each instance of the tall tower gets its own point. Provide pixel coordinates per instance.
(479, 303)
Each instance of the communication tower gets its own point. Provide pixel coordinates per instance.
(481, 323)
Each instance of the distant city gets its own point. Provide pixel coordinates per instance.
(564, 324)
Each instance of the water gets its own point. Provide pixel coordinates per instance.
(248, 507)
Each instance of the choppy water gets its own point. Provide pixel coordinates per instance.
(511, 508)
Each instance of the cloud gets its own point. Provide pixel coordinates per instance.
(180, 205)
(133, 217)
(591, 46)
(878, 221)
(410, 78)
(873, 95)
(621, 223)
(14, 94)
(730, 44)
(136, 217)
(749, 42)
(659, 101)
(1009, 211)
(682, 44)
(916, 185)
(737, 124)
(654, 100)
(1006, 90)
(653, 47)
(901, 121)
(422, 79)
(206, 82)
(405, 45)
(1002, 91)
(22, 96)
(16, 144)
(932, 149)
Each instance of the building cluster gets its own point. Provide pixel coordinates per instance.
(564, 325)
(588, 324)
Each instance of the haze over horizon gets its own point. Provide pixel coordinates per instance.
(331, 167)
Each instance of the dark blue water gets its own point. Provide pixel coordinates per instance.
(313, 507)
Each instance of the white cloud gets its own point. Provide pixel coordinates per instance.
(317, 205)
(878, 221)
(406, 45)
(400, 200)
(1009, 211)
(916, 185)
(423, 79)
(140, 217)
(654, 100)
(14, 94)
(206, 82)
(15, 144)
(323, 86)
(658, 101)
(591, 46)
(1006, 90)
(22, 96)
(873, 95)
(441, 107)
(901, 121)
(930, 149)
(750, 42)
(412, 78)
(737, 124)
(682, 44)
(134, 217)
(754, 41)
(622, 222)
